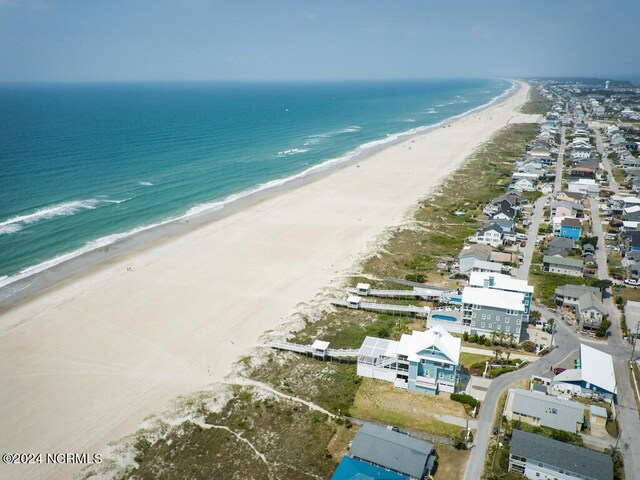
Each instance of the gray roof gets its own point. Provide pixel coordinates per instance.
(477, 250)
(591, 300)
(575, 290)
(553, 412)
(562, 242)
(392, 450)
(593, 465)
(571, 205)
(565, 262)
(552, 251)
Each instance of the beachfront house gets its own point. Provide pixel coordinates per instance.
(489, 311)
(470, 254)
(425, 362)
(562, 266)
(542, 410)
(538, 457)
(593, 378)
(523, 184)
(490, 234)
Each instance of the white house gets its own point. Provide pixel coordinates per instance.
(491, 235)
(523, 185)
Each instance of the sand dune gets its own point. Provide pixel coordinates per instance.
(84, 362)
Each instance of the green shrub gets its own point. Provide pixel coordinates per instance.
(465, 399)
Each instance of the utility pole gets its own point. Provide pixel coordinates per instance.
(635, 339)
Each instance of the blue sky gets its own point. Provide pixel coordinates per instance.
(122, 40)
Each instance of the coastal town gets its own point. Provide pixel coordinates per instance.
(361, 240)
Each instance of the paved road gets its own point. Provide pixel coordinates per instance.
(534, 225)
(560, 163)
(613, 185)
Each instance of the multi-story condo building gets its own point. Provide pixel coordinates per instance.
(489, 310)
(506, 283)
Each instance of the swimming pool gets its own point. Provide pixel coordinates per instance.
(447, 318)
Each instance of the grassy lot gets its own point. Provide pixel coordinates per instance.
(293, 439)
(415, 251)
(346, 328)
(627, 293)
(532, 196)
(380, 401)
(545, 284)
(331, 385)
(536, 103)
(619, 176)
(451, 463)
(468, 359)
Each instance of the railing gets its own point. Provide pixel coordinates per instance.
(308, 349)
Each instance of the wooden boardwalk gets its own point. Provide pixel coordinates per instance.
(414, 310)
(422, 293)
(335, 353)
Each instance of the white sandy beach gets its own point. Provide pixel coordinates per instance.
(82, 363)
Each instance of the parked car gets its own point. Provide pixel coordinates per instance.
(523, 244)
(558, 370)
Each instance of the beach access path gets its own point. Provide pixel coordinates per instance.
(83, 362)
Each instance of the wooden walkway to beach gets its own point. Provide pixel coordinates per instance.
(335, 353)
(422, 293)
(384, 307)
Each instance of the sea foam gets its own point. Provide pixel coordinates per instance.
(15, 224)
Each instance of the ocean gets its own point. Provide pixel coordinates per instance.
(82, 166)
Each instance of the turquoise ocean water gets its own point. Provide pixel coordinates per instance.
(84, 165)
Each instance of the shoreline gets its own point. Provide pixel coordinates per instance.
(110, 346)
(37, 278)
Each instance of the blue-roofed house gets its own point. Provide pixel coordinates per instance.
(354, 469)
(571, 228)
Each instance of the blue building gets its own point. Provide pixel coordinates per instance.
(425, 362)
(354, 469)
(571, 228)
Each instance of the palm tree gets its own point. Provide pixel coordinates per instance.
(498, 353)
(512, 339)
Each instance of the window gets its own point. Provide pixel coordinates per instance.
(484, 316)
(482, 325)
(507, 329)
(506, 319)
(491, 325)
(497, 318)
(498, 326)
(473, 323)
